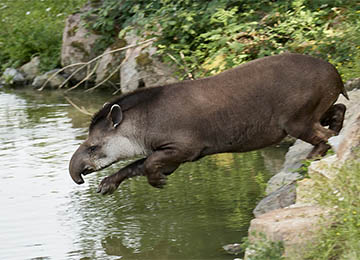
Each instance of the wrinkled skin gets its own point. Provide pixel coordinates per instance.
(250, 107)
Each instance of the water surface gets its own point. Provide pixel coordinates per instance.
(44, 215)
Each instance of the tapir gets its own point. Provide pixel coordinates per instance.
(242, 109)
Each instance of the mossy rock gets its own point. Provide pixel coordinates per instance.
(73, 31)
(143, 59)
(80, 46)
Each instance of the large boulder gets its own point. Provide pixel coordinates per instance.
(108, 67)
(142, 67)
(78, 44)
(296, 227)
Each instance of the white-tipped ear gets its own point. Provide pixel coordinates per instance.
(115, 115)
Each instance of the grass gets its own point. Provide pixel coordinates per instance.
(33, 28)
(341, 240)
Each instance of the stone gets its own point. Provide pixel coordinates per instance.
(78, 44)
(233, 249)
(12, 77)
(295, 227)
(293, 160)
(142, 67)
(31, 69)
(349, 147)
(352, 84)
(281, 198)
(109, 63)
(52, 83)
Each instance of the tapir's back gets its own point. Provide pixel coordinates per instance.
(249, 106)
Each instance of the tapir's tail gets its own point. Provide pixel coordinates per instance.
(342, 88)
(344, 93)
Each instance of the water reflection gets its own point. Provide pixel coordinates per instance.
(46, 216)
(205, 205)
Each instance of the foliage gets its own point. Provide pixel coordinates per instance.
(341, 240)
(33, 28)
(204, 36)
(262, 248)
(217, 35)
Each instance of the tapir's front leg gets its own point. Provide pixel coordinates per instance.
(109, 184)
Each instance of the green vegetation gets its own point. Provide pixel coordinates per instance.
(210, 35)
(341, 239)
(262, 248)
(33, 28)
(219, 34)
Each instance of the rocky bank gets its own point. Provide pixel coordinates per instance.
(289, 213)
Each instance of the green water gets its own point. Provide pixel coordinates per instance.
(44, 215)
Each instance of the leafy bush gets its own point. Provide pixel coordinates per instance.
(33, 28)
(205, 36)
(220, 34)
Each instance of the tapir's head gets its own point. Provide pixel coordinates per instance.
(107, 143)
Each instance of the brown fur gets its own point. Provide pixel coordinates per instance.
(246, 108)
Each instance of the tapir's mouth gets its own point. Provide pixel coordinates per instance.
(80, 179)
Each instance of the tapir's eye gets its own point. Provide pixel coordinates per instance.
(93, 148)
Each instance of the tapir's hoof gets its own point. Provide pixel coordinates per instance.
(107, 186)
(158, 182)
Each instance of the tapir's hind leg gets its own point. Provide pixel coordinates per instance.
(334, 117)
(318, 136)
(315, 133)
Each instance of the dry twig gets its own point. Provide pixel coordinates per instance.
(81, 109)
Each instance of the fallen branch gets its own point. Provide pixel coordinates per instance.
(109, 77)
(88, 76)
(81, 109)
(84, 64)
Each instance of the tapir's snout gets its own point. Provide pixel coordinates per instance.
(79, 165)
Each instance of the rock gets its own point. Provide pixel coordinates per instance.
(52, 83)
(109, 63)
(142, 68)
(31, 69)
(295, 227)
(12, 77)
(78, 44)
(349, 147)
(233, 249)
(281, 198)
(352, 84)
(293, 160)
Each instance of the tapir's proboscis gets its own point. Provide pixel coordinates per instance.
(242, 109)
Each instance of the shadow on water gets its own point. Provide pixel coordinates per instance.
(205, 204)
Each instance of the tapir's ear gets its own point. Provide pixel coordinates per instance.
(115, 115)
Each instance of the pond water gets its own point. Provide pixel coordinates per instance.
(44, 215)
